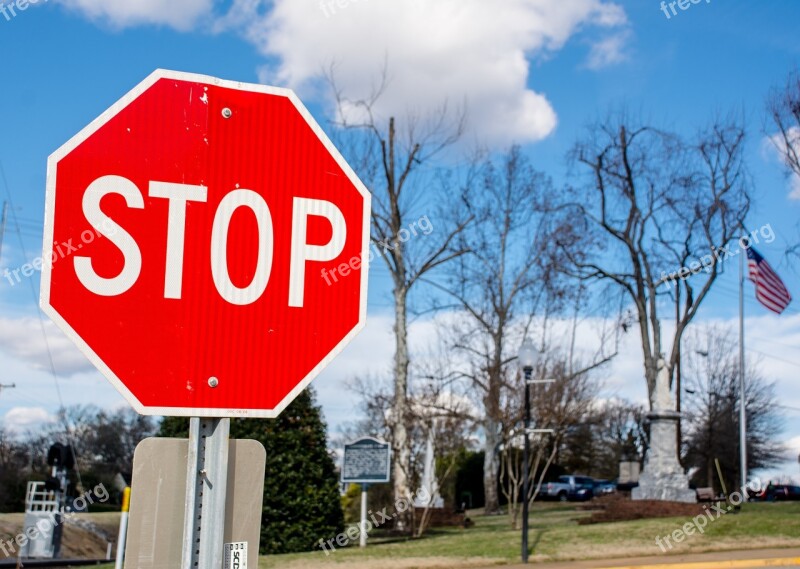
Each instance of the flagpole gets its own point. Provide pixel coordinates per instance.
(742, 398)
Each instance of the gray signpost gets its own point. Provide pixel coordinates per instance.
(206, 486)
(366, 461)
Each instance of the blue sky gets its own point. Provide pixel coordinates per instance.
(534, 72)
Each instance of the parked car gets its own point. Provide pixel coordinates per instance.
(575, 488)
(604, 487)
(779, 492)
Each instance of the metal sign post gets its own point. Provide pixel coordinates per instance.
(206, 488)
(363, 539)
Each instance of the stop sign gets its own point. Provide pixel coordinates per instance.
(205, 246)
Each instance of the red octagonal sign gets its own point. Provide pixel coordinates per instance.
(206, 246)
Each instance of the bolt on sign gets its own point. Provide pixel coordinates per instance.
(200, 215)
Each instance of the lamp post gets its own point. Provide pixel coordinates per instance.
(527, 359)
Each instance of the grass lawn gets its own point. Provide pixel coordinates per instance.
(556, 536)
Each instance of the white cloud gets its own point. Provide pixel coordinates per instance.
(793, 447)
(470, 53)
(179, 14)
(794, 187)
(23, 339)
(777, 144)
(21, 419)
(608, 51)
(462, 51)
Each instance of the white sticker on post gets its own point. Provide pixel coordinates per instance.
(236, 555)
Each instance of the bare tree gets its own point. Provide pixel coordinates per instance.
(375, 396)
(613, 431)
(497, 286)
(494, 284)
(783, 106)
(659, 214)
(15, 469)
(395, 160)
(783, 109)
(712, 405)
(103, 443)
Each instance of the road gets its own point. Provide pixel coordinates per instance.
(725, 560)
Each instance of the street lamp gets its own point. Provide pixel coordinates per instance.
(527, 359)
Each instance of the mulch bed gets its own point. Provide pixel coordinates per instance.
(620, 508)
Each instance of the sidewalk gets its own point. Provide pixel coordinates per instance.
(724, 560)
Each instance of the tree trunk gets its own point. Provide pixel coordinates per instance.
(399, 411)
(490, 466)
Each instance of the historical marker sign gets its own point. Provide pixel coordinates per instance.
(366, 461)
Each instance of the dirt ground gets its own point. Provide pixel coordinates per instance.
(78, 541)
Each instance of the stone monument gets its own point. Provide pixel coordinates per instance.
(663, 477)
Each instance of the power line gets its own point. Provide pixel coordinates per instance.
(771, 342)
(754, 302)
(749, 299)
(770, 356)
(41, 320)
(23, 397)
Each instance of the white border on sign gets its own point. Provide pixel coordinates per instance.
(47, 247)
(388, 462)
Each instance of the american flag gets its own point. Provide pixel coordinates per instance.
(770, 290)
